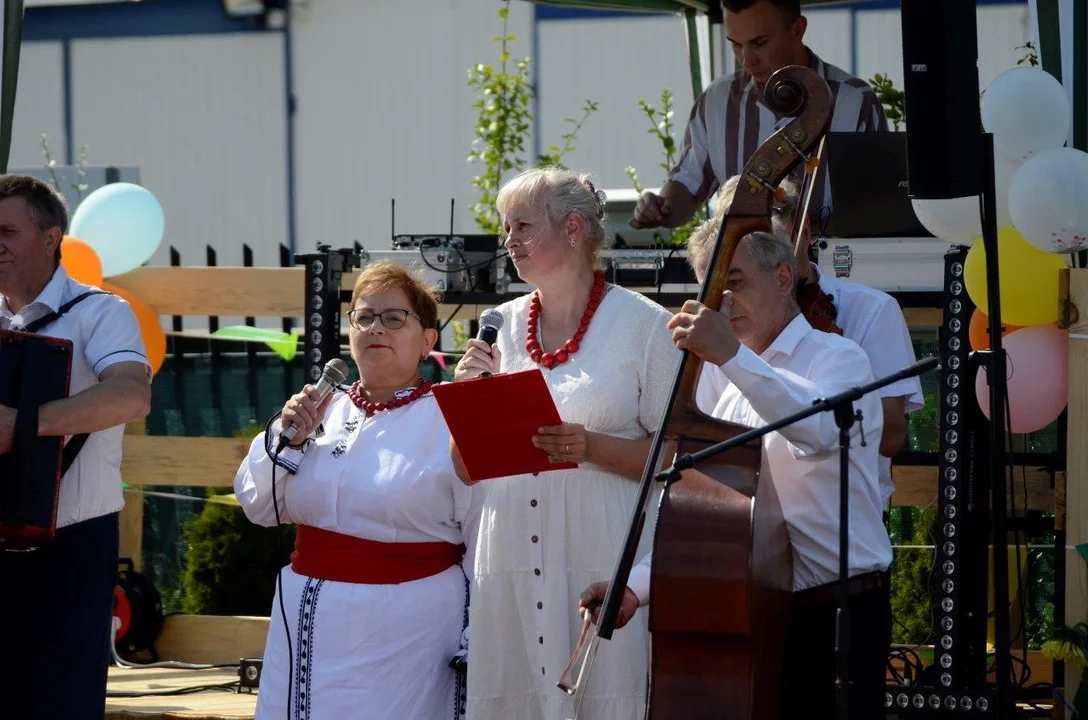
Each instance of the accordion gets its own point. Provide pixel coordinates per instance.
(34, 369)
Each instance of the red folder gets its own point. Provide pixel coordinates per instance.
(493, 421)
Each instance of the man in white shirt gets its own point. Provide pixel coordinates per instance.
(776, 364)
(56, 606)
(872, 318)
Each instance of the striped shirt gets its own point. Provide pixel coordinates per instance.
(730, 121)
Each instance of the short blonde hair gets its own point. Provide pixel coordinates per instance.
(558, 192)
(387, 275)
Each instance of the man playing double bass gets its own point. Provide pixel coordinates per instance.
(57, 599)
(776, 364)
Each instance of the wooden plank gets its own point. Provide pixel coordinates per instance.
(206, 705)
(257, 292)
(278, 292)
(922, 317)
(193, 461)
(212, 462)
(132, 514)
(211, 638)
(916, 486)
(1074, 316)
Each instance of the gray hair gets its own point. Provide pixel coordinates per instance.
(770, 251)
(558, 192)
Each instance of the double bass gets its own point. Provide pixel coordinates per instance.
(721, 577)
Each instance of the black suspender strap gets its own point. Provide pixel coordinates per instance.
(50, 317)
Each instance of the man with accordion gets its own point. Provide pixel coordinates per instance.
(72, 373)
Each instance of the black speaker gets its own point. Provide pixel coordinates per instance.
(944, 125)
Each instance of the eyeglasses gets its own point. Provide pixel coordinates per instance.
(393, 319)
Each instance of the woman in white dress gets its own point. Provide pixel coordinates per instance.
(372, 608)
(609, 362)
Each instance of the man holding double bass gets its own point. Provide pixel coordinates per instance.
(56, 604)
(776, 364)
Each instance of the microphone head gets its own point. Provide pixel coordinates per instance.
(336, 370)
(491, 318)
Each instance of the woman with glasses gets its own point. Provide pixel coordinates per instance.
(372, 608)
(608, 358)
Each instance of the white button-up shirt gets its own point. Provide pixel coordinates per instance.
(871, 318)
(801, 366)
(104, 331)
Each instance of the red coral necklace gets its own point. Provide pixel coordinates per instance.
(356, 395)
(562, 355)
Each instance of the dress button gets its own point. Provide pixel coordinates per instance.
(541, 639)
(532, 503)
(540, 606)
(542, 672)
(535, 474)
(536, 571)
(535, 538)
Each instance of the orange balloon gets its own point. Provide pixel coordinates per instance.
(80, 261)
(979, 330)
(150, 326)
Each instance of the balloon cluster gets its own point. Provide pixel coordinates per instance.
(1042, 216)
(117, 228)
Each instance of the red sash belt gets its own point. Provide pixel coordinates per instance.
(330, 555)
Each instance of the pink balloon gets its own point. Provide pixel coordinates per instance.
(1038, 377)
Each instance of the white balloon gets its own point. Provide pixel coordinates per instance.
(958, 220)
(955, 220)
(1049, 200)
(1027, 111)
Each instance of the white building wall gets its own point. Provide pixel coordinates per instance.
(39, 106)
(384, 112)
(614, 62)
(203, 117)
(1001, 28)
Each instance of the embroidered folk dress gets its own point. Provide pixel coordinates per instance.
(545, 538)
(379, 652)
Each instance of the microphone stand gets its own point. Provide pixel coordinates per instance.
(842, 406)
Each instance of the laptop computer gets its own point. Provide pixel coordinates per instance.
(868, 181)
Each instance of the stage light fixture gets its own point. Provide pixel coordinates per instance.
(324, 272)
(956, 682)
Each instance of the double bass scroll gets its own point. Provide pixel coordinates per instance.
(721, 574)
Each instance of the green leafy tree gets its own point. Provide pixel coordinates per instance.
(231, 564)
(503, 122)
(51, 165)
(911, 570)
(662, 128)
(892, 98)
(1030, 57)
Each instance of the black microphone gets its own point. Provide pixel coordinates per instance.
(335, 372)
(490, 322)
